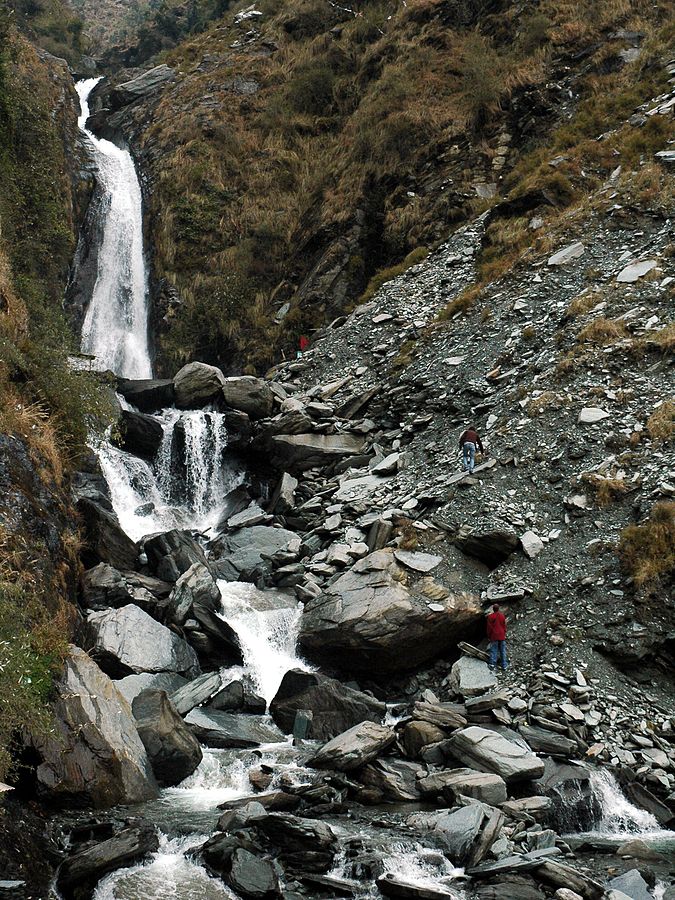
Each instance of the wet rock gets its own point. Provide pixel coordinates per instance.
(485, 787)
(248, 394)
(471, 677)
(139, 434)
(173, 750)
(196, 692)
(78, 874)
(638, 849)
(171, 553)
(197, 383)
(632, 884)
(641, 796)
(221, 729)
(128, 640)
(105, 541)
(307, 451)
(491, 547)
(241, 817)
(149, 395)
(575, 805)
(252, 876)
(392, 885)
(369, 619)
(94, 754)
(303, 844)
(487, 751)
(230, 698)
(537, 808)
(334, 706)
(510, 887)
(353, 748)
(239, 556)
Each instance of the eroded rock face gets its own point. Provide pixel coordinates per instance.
(95, 754)
(128, 640)
(335, 706)
(376, 617)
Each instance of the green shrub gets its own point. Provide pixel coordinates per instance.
(310, 90)
(482, 79)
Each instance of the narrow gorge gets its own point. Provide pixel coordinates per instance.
(264, 672)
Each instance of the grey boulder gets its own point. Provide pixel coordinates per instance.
(632, 884)
(487, 751)
(139, 434)
(141, 86)
(307, 451)
(222, 730)
(378, 617)
(197, 383)
(335, 707)
(171, 553)
(196, 692)
(471, 677)
(483, 786)
(394, 780)
(457, 832)
(104, 586)
(353, 748)
(132, 685)
(239, 556)
(94, 753)
(252, 876)
(250, 395)
(128, 640)
(173, 750)
(148, 395)
(105, 541)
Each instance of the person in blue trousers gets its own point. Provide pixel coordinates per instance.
(496, 632)
(468, 443)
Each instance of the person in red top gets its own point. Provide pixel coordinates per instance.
(468, 443)
(496, 632)
(303, 344)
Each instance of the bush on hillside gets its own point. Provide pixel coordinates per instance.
(647, 551)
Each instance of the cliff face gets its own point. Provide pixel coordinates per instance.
(295, 151)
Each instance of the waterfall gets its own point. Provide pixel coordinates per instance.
(115, 329)
(618, 814)
(267, 626)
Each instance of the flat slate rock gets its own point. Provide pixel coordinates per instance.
(487, 751)
(354, 747)
(221, 729)
(418, 562)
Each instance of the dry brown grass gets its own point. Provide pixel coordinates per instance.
(606, 490)
(602, 332)
(647, 551)
(661, 423)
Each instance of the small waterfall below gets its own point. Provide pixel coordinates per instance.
(618, 816)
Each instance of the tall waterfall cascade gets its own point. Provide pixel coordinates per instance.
(115, 329)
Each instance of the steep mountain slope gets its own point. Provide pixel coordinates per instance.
(300, 149)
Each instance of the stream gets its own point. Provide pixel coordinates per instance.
(184, 488)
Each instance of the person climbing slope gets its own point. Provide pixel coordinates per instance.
(468, 443)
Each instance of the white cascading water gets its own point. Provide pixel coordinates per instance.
(619, 815)
(267, 627)
(115, 329)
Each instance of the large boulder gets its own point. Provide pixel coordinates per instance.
(335, 707)
(490, 547)
(171, 553)
(128, 640)
(471, 677)
(196, 596)
(308, 451)
(252, 876)
(353, 748)
(487, 751)
(78, 874)
(457, 831)
(452, 783)
(575, 805)
(173, 750)
(94, 753)
(149, 394)
(141, 86)
(238, 556)
(250, 395)
(379, 617)
(304, 844)
(394, 780)
(222, 730)
(197, 383)
(104, 539)
(139, 434)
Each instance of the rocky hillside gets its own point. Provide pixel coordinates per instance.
(293, 152)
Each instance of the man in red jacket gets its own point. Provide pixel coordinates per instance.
(496, 632)
(468, 443)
